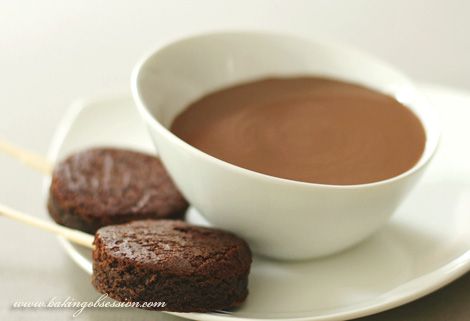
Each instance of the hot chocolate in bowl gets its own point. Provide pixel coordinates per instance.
(283, 212)
(308, 129)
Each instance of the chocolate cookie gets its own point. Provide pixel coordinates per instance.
(104, 186)
(190, 268)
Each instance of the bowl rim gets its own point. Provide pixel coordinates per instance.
(151, 120)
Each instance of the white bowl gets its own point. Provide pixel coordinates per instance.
(279, 218)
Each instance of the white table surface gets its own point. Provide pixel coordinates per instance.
(53, 52)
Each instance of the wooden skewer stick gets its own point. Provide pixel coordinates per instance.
(41, 164)
(33, 160)
(72, 235)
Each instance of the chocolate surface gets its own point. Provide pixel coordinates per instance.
(190, 268)
(306, 129)
(103, 186)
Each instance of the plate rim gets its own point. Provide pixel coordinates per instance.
(411, 290)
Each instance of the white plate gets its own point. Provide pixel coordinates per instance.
(424, 247)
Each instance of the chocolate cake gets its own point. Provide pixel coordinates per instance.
(104, 186)
(190, 268)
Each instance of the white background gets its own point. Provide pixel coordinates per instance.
(53, 52)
